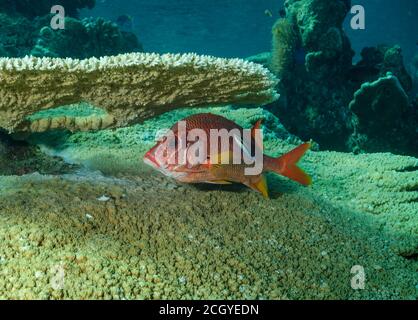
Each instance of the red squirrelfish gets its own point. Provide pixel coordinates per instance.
(166, 155)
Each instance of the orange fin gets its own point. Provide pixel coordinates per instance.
(261, 186)
(287, 165)
(257, 126)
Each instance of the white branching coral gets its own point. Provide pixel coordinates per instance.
(129, 87)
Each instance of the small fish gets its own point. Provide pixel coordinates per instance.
(215, 172)
(267, 12)
(282, 13)
(125, 23)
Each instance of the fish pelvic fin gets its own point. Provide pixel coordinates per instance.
(260, 186)
(286, 165)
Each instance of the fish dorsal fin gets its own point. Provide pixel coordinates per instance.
(260, 186)
(257, 126)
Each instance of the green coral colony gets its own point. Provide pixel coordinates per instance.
(75, 198)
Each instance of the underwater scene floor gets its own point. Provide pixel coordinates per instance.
(103, 225)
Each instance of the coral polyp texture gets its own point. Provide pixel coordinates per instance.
(129, 87)
(121, 231)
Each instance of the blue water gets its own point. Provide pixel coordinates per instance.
(229, 28)
(240, 28)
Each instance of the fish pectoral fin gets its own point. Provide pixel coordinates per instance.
(260, 186)
(195, 169)
(219, 182)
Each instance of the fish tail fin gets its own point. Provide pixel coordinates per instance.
(286, 165)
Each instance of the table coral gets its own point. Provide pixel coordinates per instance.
(129, 87)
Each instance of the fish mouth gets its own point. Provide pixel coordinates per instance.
(150, 160)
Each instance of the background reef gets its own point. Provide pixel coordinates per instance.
(25, 30)
(366, 106)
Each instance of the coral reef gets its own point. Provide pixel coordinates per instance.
(389, 202)
(89, 37)
(18, 34)
(123, 237)
(378, 61)
(285, 41)
(313, 58)
(383, 118)
(381, 185)
(130, 87)
(19, 158)
(25, 30)
(414, 71)
(312, 55)
(82, 217)
(261, 58)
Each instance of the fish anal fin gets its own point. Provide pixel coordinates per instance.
(260, 186)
